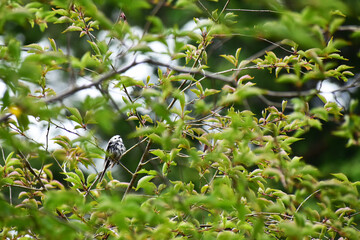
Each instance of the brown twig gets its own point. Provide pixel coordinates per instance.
(153, 13)
(122, 165)
(224, 8)
(253, 10)
(138, 168)
(101, 79)
(28, 166)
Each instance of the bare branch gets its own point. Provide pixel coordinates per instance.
(95, 83)
(132, 174)
(28, 166)
(199, 3)
(252, 36)
(290, 94)
(138, 168)
(184, 82)
(153, 13)
(307, 198)
(25, 187)
(224, 8)
(253, 10)
(193, 71)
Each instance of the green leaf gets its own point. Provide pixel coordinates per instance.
(335, 24)
(53, 44)
(56, 199)
(283, 105)
(237, 54)
(230, 58)
(95, 48)
(322, 98)
(315, 123)
(182, 77)
(159, 153)
(320, 112)
(288, 78)
(174, 153)
(343, 68)
(34, 47)
(144, 182)
(150, 172)
(209, 92)
(341, 177)
(80, 174)
(141, 47)
(73, 178)
(72, 29)
(14, 49)
(129, 82)
(157, 25)
(13, 162)
(8, 158)
(31, 71)
(77, 116)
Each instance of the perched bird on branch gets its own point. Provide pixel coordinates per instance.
(114, 150)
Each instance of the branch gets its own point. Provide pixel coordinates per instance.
(224, 8)
(138, 168)
(290, 94)
(25, 187)
(349, 28)
(153, 13)
(95, 83)
(28, 166)
(200, 5)
(207, 74)
(253, 10)
(122, 165)
(355, 84)
(231, 79)
(184, 82)
(252, 36)
(307, 198)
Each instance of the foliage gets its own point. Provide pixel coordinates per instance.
(204, 162)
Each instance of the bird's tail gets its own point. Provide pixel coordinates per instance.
(106, 166)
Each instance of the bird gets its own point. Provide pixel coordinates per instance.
(114, 151)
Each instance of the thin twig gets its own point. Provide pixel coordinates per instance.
(122, 165)
(25, 187)
(298, 208)
(252, 36)
(135, 145)
(153, 13)
(138, 168)
(263, 51)
(207, 74)
(349, 28)
(101, 79)
(3, 154)
(184, 82)
(120, 16)
(224, 8)
(151, 159)
(199, 3)
(28, 166)
(47, 137)
(290, 94)
(253, 10)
